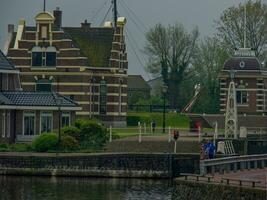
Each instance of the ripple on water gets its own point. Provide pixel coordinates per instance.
(43, 188)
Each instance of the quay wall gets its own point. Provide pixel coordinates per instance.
(128, 165)
(184, 190)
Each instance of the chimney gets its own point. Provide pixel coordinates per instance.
(10, 28)
(58, 18)
(85, 25)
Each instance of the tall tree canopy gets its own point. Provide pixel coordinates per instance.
(170, 51)
(207, 65)
(231, 26)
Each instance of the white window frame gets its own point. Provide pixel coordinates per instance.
(3, 125)
(46, 114)
(241, 95)
(65, 114)
(29, 114)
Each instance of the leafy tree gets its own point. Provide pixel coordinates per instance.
(207, 65)
(170, 51)
(230, 27)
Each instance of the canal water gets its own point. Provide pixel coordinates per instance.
(45, 188)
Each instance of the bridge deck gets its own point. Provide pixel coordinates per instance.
(253, 175)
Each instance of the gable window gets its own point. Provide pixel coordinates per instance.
(43, 85)
(37, 57)
(29, 123)
(241, 97)
(46, 122)
(51, 57)
(103, 98)
(44, 57)
(65, 120)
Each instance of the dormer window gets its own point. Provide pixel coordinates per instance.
(51, 56)
(44, 57)
(37, 57)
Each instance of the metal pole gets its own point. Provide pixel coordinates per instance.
(199, 134)
(145, 128)
(164, 112)
(169, 140)
(110, 133)
(140, 133)
(59, 126)
(215, 132)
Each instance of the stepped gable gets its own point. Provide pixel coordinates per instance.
(94, 43)
(244, 59)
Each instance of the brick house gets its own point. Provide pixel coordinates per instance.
(87, 64)
(24, 115)
(250, 80)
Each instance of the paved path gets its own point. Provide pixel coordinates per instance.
(253, 175)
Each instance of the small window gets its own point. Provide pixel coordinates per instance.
(51, 56)
(65, 119)
(37, 59)
(46, 122)
(241, 97)
(29, 124)
(43, 85)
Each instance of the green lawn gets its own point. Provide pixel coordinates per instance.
(172, 119)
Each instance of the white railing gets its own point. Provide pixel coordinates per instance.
(234, 163)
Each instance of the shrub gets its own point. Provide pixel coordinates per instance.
(72, 131)
(21, 147)
(45, 142)
(68, 143)
(93, 134)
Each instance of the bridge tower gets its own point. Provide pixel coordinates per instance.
(231, 119)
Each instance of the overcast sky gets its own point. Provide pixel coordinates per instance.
(141, 15)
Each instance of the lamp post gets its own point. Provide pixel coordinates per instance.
(59, 102)
(164, 91)
(92, 105)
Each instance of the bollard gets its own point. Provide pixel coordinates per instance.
(144, 128)
(169, 140)
(175, 146)
(215, 133)
(140, 134)
(199, 134)
(110, 133)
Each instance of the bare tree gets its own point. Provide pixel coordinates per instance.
(231, 26)
(170, 51)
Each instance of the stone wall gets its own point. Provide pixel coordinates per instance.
(184, 190)
(98, 165)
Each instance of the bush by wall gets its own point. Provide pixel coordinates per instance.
(68, 143)
(45, 142)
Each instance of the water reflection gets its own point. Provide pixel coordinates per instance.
(44, 188)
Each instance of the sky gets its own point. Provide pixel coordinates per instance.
(141, 16)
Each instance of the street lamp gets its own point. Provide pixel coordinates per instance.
(59, 102)
(92, 104)
(164, 91)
